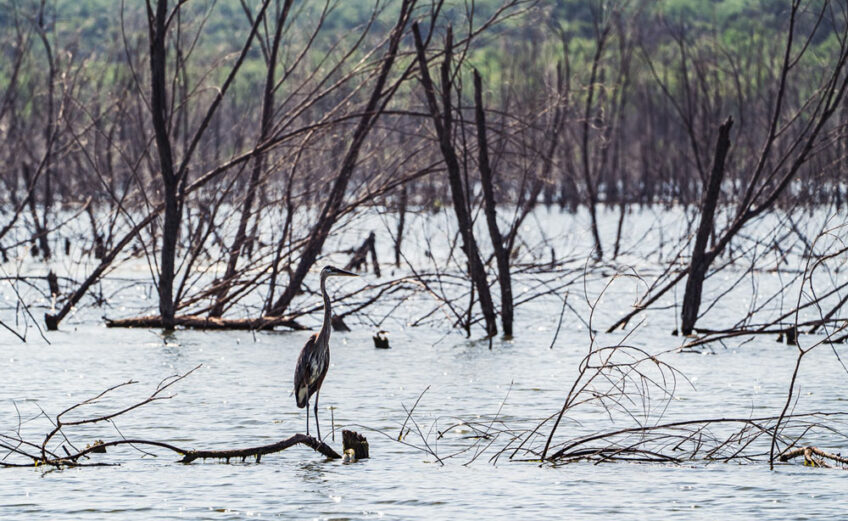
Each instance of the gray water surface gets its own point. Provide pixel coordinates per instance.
(240, 397)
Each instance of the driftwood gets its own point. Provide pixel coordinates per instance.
(808, 453)
(73, 460)
(197, 322)
(258, 452)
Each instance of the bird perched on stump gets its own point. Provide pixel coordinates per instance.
(314, 359)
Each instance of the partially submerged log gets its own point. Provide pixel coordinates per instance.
(258, 452)
(199, 322)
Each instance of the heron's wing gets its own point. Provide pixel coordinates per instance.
(302, 371)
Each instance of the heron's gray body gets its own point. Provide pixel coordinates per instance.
(311, 369)
(314, 359)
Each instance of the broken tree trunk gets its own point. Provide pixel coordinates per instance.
(401, 222)
(700, 261)
(159, 118)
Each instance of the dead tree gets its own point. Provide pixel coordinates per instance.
(159, 117)
(443, 121)
(501, 253)
(329, 213)
(590, 176)
(359, 256)
(775, 168)
(258, 162)
(699, 264)
(400, 226)
(173, 177)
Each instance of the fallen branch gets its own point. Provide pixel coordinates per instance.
(808, 452)
(260, 451)
(197, 322)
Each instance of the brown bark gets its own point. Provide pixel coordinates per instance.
(159, 117)
(400, 226)
(356, 442)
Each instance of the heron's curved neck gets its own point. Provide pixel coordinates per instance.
(325, 327)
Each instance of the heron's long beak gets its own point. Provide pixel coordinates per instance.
(344, 273)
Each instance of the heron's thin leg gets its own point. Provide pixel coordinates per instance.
(318, 425)
(307, 416)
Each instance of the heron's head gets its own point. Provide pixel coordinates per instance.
(332, 271)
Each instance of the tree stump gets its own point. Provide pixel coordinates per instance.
(338, 323)
(354, 441)
(792, 336)
(53, 283)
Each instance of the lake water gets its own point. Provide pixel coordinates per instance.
(241, 397)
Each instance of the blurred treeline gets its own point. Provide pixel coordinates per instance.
(201, 131)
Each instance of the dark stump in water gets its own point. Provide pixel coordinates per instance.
(357, 442)
(381, 341)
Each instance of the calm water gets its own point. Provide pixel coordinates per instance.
(240, 397)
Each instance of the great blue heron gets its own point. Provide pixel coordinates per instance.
(314, 358)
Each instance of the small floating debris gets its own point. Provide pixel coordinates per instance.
(381, 341)
(349, 456)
